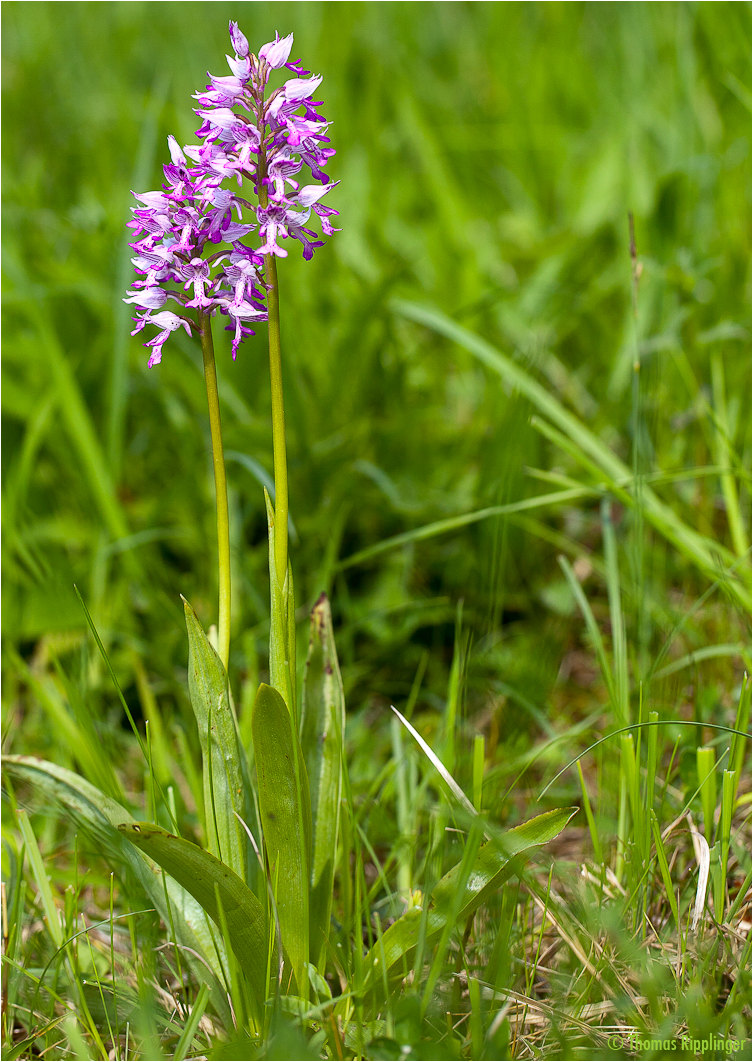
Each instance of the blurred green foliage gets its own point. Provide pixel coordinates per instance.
(488, 154)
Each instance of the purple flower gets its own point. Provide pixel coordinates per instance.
(299, 88)
(197, 273)
(246, 134)
(239, 41)
(312, 193)
(280, 171)
(148, 299)
(166, 321)
(242, 311)
(272, 221)
(241, 273)
(277, 51)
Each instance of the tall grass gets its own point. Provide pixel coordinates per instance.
(469, 346)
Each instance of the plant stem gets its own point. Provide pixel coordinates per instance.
(278, 423)
(220, 484)
(275, 374)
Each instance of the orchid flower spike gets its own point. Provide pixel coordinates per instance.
(247, 134)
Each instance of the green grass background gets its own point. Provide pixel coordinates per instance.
(488, 155)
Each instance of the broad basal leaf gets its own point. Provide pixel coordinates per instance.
(220, 748)
(205, 877)
(285, 812)
(98, 816)
(322, 728)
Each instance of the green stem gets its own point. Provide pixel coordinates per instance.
(275, 374)
(278, 423)
(220, 484)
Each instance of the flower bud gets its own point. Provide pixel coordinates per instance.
(239, 41)
(277, 51)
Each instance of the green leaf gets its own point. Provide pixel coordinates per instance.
(97, 815)
(40, 876)
(438, 766)
(495, 862)
(454, 523)
(617, 618)
(285, 811)
(665, 872)
(592, 627)
(22, 1046)
(118, 1002)
(322, 728)
(189, 1029)
(204, 876)
(725, 455)
(279, 622)
(220, 748)
(707, 652)
(699, 549)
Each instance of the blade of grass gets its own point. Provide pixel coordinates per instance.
(192, 1024)
(593, 630)
(478, 770)
(695, 547)
(742, 721)
(454, 690)
(590, 818)
(661, 857)
(706, 768)
(725, 456)
(630, 768)
(653, 742)
(444, 774)
(441, 527)
(617, 620)
(704, 857)
(708, 652)
(40, 876)
(401, 812)
(724, 833)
